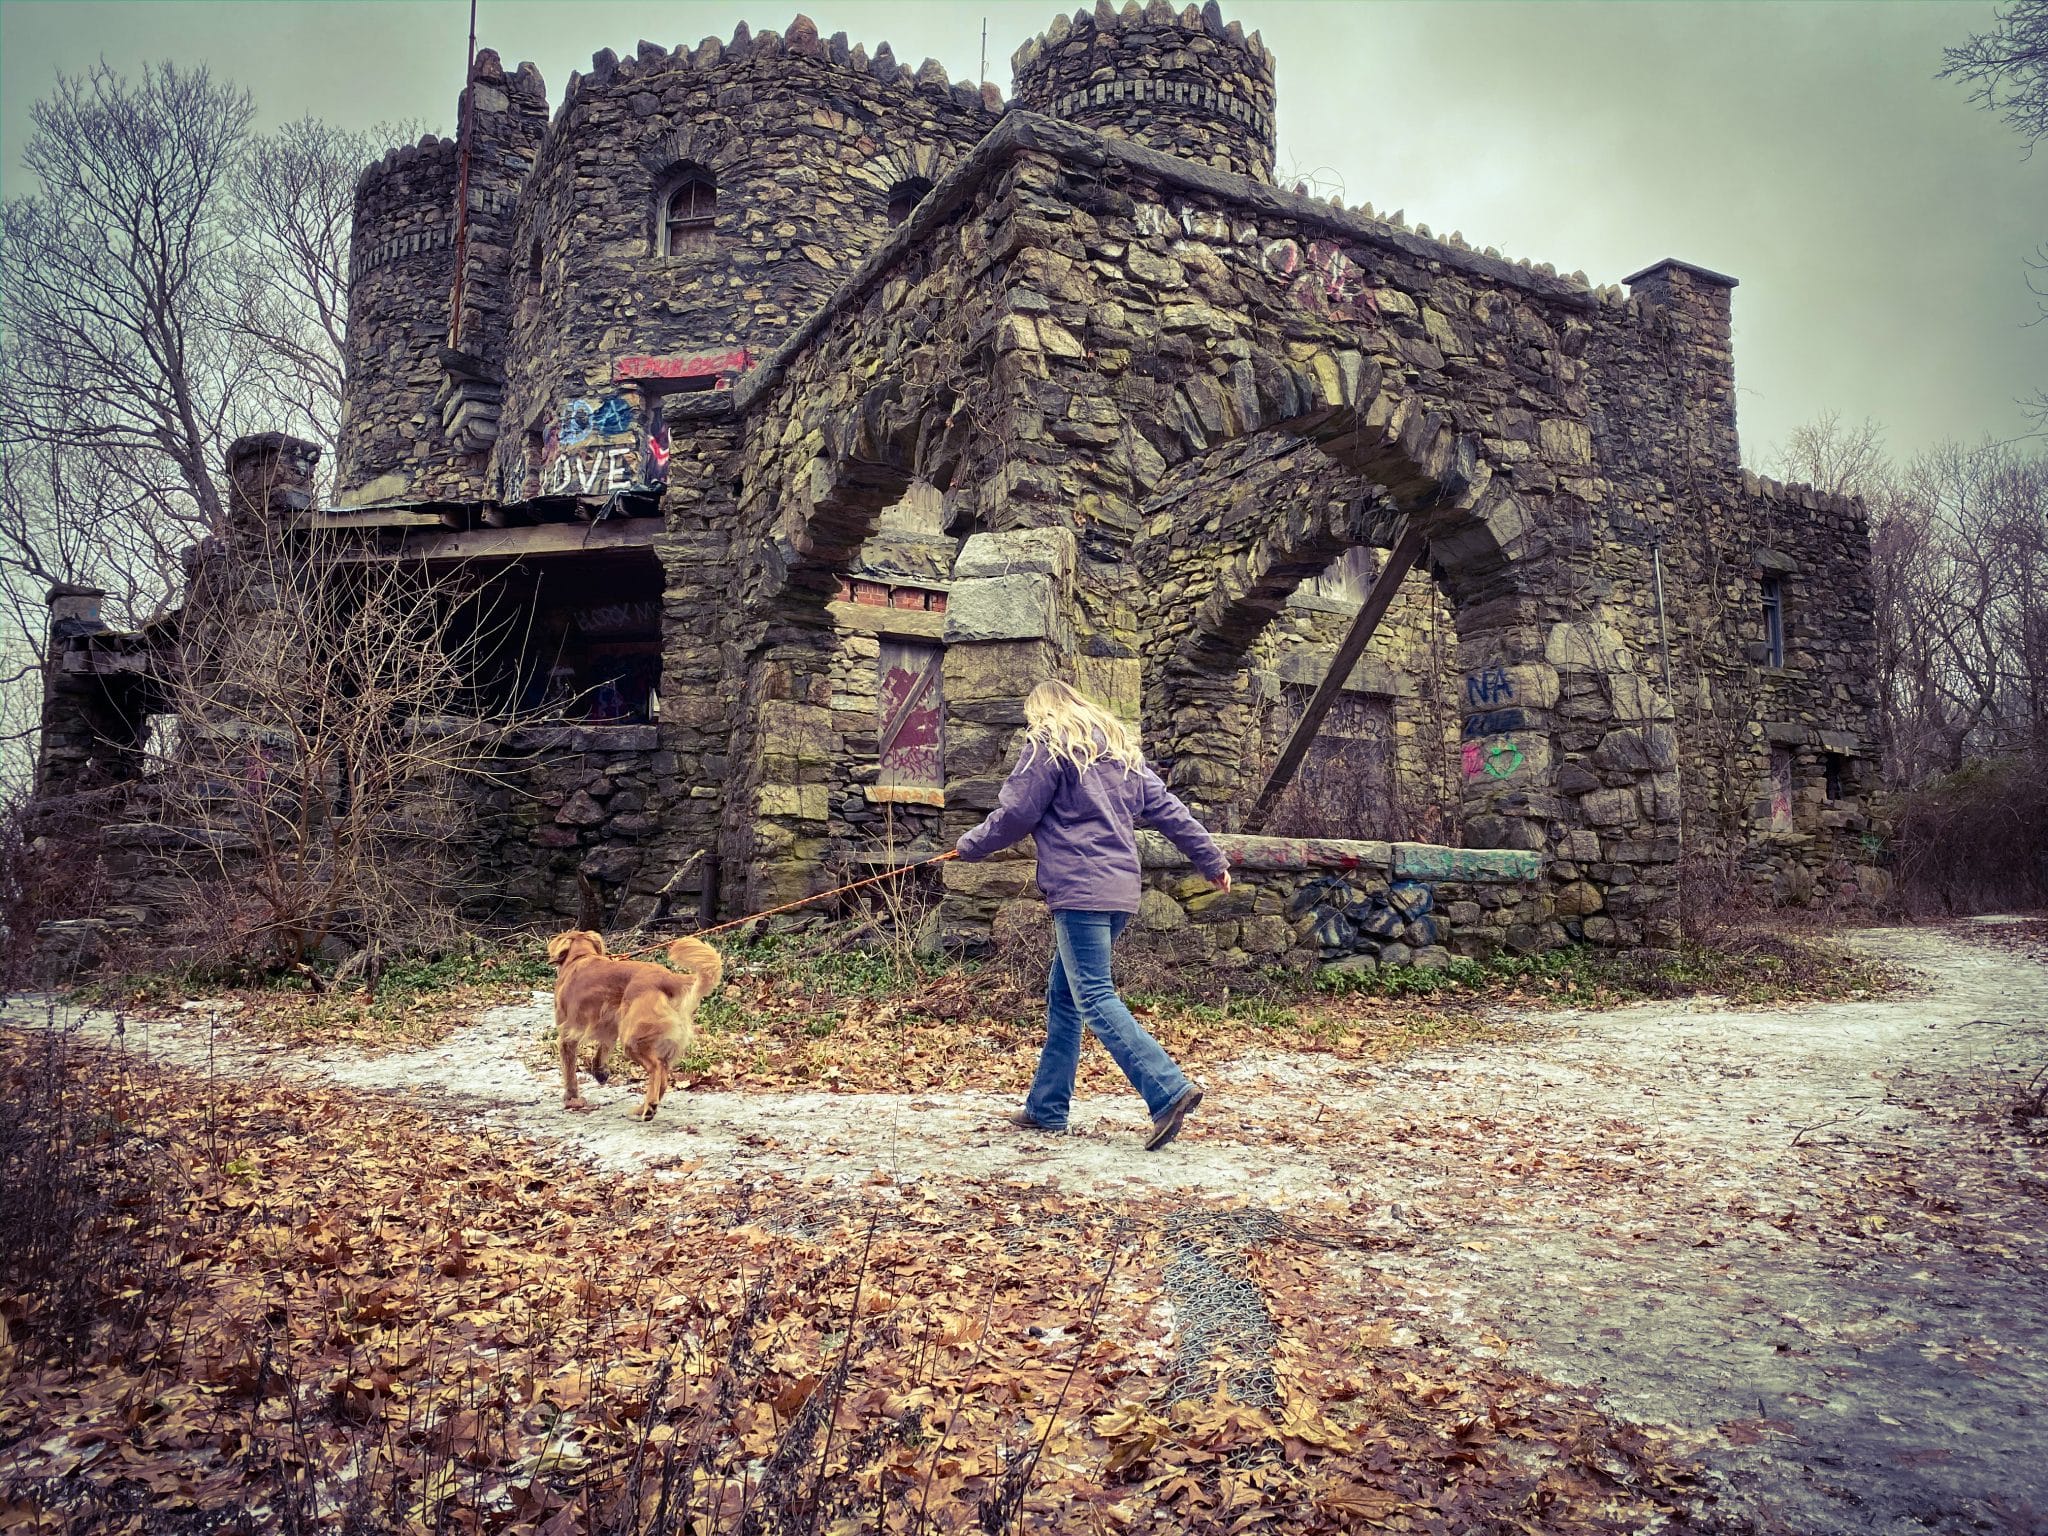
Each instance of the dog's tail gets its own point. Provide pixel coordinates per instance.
(701, 961)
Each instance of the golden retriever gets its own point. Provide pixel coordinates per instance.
(648, 1008)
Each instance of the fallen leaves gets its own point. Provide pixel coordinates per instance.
(319, 1310)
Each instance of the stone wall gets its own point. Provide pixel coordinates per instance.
(1410, 671)
(1186, 83)
(1298, 903)
(569, 828)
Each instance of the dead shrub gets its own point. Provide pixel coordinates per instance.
(1974, 840)
(50, 869)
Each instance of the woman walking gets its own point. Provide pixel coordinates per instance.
(1080, 790)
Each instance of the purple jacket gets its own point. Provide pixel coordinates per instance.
(1084, 821)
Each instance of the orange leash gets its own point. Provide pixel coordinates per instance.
(791, 906)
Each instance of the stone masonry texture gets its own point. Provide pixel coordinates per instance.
(1065, 387)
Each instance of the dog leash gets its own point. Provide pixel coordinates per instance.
(791, 906)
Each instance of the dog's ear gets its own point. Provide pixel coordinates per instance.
(596, 940)
(560, 945)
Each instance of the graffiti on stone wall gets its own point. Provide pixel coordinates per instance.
(1491, 760)
(1488, 686)
(1493, 723)
(597, 447)
(1485, 692)
(721, 365)
(1389, 921)
(1320, 277)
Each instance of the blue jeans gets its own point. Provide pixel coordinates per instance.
(1081, 992)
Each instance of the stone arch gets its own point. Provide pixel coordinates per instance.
(893, 167)
(708, 144)
(827, 507)
(1404, 466)
(813, 510)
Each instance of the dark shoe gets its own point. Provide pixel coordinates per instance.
(1167, 1126)
(1023, 1121)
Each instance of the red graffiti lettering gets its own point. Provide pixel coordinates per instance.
(685, 365)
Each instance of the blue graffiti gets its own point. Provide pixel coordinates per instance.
(613, 417)
(1493, 723)
(1488, 687)
(575, 424)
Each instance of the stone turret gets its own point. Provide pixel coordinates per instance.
(401, 266)
(1183, 82)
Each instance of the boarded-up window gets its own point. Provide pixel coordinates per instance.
(912, 714)
(1346, 786)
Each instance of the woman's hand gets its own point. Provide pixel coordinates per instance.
(1222, 881)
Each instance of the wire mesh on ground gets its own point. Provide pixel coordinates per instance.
(1224, 1329)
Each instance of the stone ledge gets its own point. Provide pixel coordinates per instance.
(1429, 861)
(873, 619)
(1272, 853)
(1410, 861)
(905, 794)
(586, 738)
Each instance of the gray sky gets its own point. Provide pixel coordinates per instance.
(1879, 223)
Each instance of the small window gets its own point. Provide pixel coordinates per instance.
(1837, 769)
(905, 196)
(1774, 622)
(689, 215)
(533, 258)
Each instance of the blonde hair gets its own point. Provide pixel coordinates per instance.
(1072, 728)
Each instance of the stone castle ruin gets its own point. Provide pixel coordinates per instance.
(811, 407)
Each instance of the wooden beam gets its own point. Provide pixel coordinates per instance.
(1406, 551)
(512, 543)
(389, 517)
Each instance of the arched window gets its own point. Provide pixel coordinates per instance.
(904, 196)
(689, 214)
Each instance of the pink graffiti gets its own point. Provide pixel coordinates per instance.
(1280, 258)
(1332, 283)
(719, 363)
(1475, 759)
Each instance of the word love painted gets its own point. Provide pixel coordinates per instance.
(598, 447)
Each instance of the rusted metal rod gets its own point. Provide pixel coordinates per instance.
(1407, 549)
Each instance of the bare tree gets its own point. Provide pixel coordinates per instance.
(174, 281)
(1959, 566)
(292, 212)
(112, 273)
(328, 731)
(1843, 461)
(2007, 68)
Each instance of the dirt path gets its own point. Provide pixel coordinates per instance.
(1815, 1240)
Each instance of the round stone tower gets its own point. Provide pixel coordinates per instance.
(400, 268)
(1182, 82)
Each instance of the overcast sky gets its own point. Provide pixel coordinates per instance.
(1879, 223)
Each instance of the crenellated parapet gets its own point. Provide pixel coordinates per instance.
(801, 152)
(1184, 82)
(405, 206)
